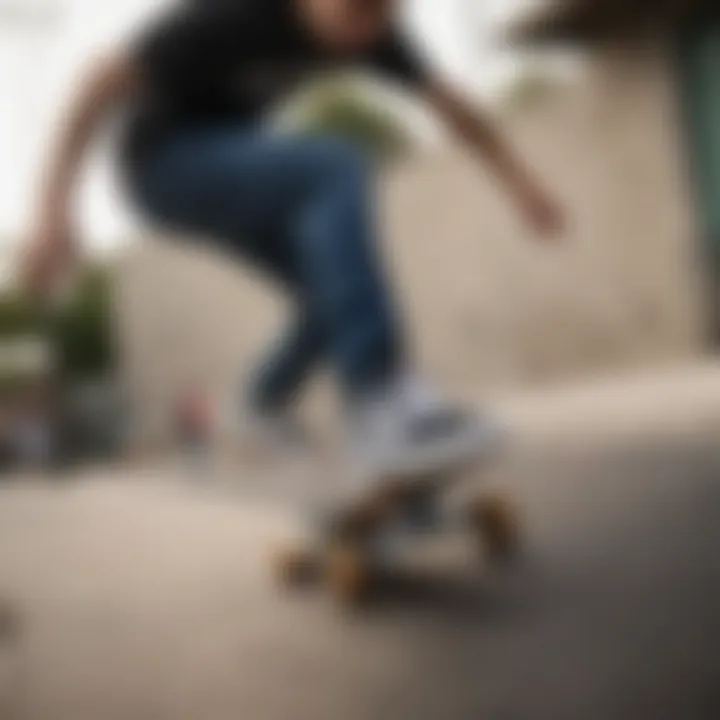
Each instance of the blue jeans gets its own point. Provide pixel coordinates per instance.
(299, 208)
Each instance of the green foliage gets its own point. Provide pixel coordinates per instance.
(18, 316)
(19, 320)
(80, 330)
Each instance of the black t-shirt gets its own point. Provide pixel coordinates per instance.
(229, 60)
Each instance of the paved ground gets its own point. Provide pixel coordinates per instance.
(144, 598)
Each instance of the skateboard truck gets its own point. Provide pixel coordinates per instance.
(350, 559)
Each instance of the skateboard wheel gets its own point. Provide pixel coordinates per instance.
(496, 523)
(349, 576)
(297, 568)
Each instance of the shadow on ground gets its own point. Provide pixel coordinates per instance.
(142, 598)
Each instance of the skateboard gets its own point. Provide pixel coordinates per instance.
(351, 556)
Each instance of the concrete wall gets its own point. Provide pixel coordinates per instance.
(622, 290)
(490, 307)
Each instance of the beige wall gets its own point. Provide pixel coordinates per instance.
(621, 290)
(489, 306)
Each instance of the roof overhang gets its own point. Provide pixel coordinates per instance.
(587, 22)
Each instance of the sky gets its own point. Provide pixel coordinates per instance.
(45, 43)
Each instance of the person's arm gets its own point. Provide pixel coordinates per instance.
(476, 129)
(52, 244)
(172, 57)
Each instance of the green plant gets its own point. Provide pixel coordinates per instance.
(18, 315)
(80, 331)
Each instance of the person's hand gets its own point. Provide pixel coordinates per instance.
(545, 217)
(49, 254)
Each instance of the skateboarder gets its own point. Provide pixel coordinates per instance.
(196, 157)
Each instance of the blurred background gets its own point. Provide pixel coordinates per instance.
(616, 108)
(601, 350)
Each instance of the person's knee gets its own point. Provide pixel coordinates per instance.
(341, 161)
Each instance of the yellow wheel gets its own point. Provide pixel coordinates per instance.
(297, 568)
(495, 521)
(349, 575)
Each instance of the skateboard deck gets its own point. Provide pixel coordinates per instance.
(351, 553)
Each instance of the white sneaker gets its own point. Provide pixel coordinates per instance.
(408, 429)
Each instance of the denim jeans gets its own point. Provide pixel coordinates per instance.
(300, 209)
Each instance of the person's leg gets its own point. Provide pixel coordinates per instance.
(300, 207)
(275, 384)
(347, 292)
(313, 196)
(199, 199)
(280, 376)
